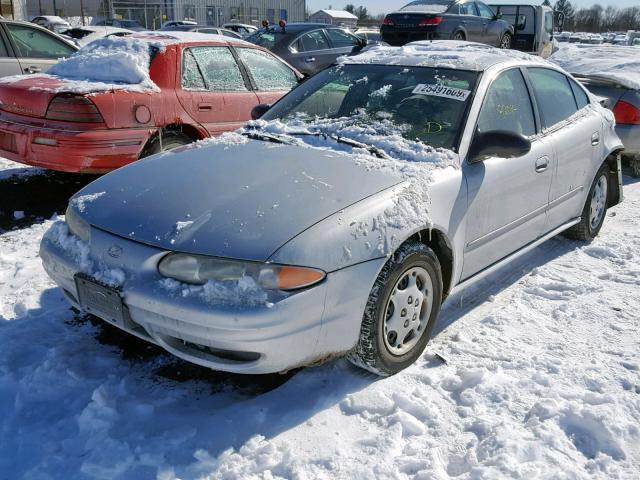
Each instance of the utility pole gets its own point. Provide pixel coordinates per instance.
(82, 12)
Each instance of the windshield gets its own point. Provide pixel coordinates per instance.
(421, 104)
(427, 6)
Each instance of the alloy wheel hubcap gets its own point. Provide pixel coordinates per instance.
(506, 42)
(408, 310)
(598, 202)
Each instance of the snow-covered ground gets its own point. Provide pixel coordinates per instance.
(542, 380)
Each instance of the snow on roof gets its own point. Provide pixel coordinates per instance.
(618, 63)
(337, 14)
(173, 37)
(441, 54)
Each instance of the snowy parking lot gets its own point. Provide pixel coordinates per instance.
(533, 373)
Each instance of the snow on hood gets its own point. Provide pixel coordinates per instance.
(617, 63)
(120, 63)
(440, 54)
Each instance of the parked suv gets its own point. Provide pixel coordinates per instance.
(309, 47)
(446, 20)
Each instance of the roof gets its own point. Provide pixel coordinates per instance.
(442, 54)
(336, 14)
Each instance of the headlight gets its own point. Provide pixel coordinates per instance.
(77, 226)
(199, 269)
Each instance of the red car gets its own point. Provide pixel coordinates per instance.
(121, 99)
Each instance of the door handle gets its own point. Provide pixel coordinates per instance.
(595, 139)
(310, 59)
(204, 107)
(542, 164)
(32, 70)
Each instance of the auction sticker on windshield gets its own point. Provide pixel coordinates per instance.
(435, 90)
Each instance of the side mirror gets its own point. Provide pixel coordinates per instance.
(498, 16)
(497, 143)
(362, 42)
(259, 110)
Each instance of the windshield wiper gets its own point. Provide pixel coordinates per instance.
(269, 137)
(372, 149)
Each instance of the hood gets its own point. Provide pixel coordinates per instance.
(239, 201)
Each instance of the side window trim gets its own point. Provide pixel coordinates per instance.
(532, 98)
(249, 82)
(11, 52)
(183, 55)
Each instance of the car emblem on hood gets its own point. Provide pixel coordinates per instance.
(114, 251)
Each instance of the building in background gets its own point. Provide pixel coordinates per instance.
(153, 13)
(334, 17)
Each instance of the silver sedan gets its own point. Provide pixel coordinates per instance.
(338, 222)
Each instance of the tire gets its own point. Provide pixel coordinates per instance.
(595, 209)
(505, 41)
(634, 164)
(381, 349)
(459, 36)
(166, 140)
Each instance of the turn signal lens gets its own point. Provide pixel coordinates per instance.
(199, 269)
(626, 113)
(290, 278)
(430, 21)
(73, 108)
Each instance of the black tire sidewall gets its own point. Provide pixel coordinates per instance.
(586, 213)
(386, 361)
(169, 140)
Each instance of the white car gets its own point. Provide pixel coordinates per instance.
(81, 36)
(179, 23)
(52, 22)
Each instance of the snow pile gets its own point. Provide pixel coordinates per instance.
(440, 54)
(120, 63)
(618, 63)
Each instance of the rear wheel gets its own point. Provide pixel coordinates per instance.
(459, 36)
(505, 41)
(401, 311)
(165, 140)
(595, 209)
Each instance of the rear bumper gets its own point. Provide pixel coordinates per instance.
(79, 151)
(630, 137)
(284, 332)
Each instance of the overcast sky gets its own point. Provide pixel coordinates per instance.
(384, 6)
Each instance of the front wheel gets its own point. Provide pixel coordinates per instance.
(505, 41)
(595, 209)
(401, 311)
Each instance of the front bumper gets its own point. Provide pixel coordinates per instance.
(285, 332)
(77, 151)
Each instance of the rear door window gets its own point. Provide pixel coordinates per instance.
(485, 12)
(340, 39)
(507, 106)
(218, 68)
(35, 43)
(468, 9)
(554, 95)
(268, 72)
(312, 41)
